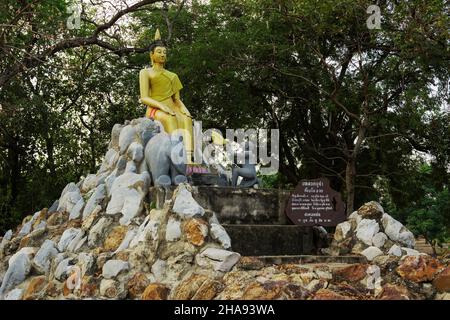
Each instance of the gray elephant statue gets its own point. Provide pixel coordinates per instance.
(247, 171)
(165, 157)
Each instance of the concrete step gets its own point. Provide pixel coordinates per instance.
(270, 240)
(235, 205)
(255, 262)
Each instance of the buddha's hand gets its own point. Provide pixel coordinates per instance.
(166, 110)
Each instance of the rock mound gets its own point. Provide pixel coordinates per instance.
(372, 232)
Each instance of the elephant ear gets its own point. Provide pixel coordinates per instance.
(176, 138)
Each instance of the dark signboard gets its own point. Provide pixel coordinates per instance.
(313, 203)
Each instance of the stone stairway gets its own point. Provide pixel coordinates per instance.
(256, 223)
(269, 240)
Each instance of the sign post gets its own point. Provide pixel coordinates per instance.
(314, 203)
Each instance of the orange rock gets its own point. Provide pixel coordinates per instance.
(24, 242)
(115, 238)
(57, 218)
(155, 291)
(250, 263)
(442, 281)
(208, 290)
(394, 292)
(71, 283)
(326, 294)
(137, 285)
(123, 255)
(42, 216)
(290, 268)
(37, 284)
(265, 291)
(53, 289)
(89, 287)
(196, 231)
(419, 268)
(189, 287)
(371, 210)
(75, 223)
(353, 273)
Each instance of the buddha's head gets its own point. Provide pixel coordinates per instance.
(158, 53)
(158, 50)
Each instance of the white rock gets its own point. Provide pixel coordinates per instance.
(102, 177)
(86, 262)
(29, 251)
(371, 253)
(147, 230)
(26, 229)
(109, 161)
(185, 205)
(62, 269)
(96, 199)
(342, 230)
(35, 216)
(406, 238)
(75, 241)
(143, 167)
(395, 250)
(40, 226)
(131, 167)
(75, 213)
(159, 269)
(173, 229)
(112, 286)
(136, 152)
(410, 252)
(80, 244)
(127, 195)
(373, 279)
(17, 271)
(105, 284)
(379, 239)
(7, 236)
(69, 200)
(220, 260)
(115, 134)
(131, 233)
(42, 260)
(113, 267)
(366, 229)
(15, 294)
(397, 232)
(109, 182)
(71, 187)
(213, 219)
(66, 238)
(89, 183)
(97, 231)
(220, 234)
(127, 135)
(355, 216)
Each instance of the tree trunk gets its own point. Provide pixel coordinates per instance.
(350, 177)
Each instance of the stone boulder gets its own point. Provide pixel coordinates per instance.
(371, 232)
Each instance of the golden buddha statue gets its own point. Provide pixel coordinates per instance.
(160, 92)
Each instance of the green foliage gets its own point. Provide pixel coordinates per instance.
(243, 64)
(428, 212)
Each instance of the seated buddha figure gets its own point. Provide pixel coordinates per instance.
(160, 92)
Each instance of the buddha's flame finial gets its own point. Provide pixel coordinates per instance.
(157, 35)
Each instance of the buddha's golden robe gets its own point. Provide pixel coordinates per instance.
(164, 85)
